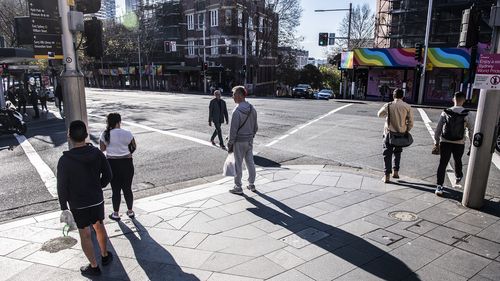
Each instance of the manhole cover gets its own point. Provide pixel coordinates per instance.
(403, 216)
(57, 244)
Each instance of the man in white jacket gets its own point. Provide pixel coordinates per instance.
(241, 134)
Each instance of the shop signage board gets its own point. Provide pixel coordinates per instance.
(46, 28)
(488, 72)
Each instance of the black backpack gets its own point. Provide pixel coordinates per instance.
(454, 125)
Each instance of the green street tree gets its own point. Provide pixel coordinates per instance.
(310, 74)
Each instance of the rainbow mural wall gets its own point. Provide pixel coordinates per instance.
(449, 57)
(405, 58)
(400, 57)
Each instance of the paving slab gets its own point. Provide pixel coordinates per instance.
(461, 262)
(480, 246)
(291, 275)
(10, 267)
(262, 268)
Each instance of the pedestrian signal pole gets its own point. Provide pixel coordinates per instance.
(73, 84)
(484, 132)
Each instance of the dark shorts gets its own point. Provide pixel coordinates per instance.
(88, 216)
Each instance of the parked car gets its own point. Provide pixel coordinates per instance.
(325, 94)
(302, 91)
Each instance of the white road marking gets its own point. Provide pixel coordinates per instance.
(306, 124)
(427, 122)
(46, 174)
(199, 141)
(496, 160)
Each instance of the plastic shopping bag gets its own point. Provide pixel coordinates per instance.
(228, 170)
(67, 218)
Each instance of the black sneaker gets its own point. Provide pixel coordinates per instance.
(88, 270)
(107, 259)
(458, 180)
(114, 217)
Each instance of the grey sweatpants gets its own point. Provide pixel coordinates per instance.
(243, 150)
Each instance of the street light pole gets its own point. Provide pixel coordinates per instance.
(72, 79)
(349, 27)
(426, 48)
(204, 58)
(245, 49)
(484, 134)
(140, 64)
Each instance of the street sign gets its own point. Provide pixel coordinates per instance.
(488, 72)
(46, 28)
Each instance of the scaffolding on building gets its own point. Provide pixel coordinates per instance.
(401, 23)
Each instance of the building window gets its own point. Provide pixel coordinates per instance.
(190, 48)
(240, 18)
(240, 47)
(250, 23)
(214, 17)
(228, 46)
(261, 24)
(190, 21)
(201, 20)
(215, 47)
(254, 48)
(229, 15)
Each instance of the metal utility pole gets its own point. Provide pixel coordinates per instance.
(140, 64)
(345, 86)
(426, 48)
(484, 133)
(73, 83)
(245, 50)
(204, 57)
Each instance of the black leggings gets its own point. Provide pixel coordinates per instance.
(123, 173)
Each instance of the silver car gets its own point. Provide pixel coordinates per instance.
(325, 94)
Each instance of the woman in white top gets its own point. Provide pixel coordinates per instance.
(119, 144)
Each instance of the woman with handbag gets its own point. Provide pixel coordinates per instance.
(399, 117)
(119, 144)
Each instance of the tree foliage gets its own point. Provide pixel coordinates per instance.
(310, 74)
(289, 13)
(9, 9)
(286, 71)
(331, 76)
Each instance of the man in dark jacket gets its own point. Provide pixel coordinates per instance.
(21, 100)
(33, 97)
(217, 114)
(82, 172)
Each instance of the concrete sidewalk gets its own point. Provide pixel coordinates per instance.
(304, 223)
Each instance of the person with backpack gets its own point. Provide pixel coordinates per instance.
(449, 139)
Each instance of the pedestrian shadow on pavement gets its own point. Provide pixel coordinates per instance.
(156, 262)
(113, 271)
(490, 207)
(351, 248)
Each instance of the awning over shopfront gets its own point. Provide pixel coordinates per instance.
(405, 58)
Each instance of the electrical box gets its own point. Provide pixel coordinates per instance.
(75, 21)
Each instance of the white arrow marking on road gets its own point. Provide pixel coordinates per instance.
(46, 174)
(306, 124)
(427, 122)
(162, 132)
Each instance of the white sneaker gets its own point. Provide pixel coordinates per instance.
(252, 188)
(439, 190)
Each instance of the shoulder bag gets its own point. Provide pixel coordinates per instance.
(394, 138)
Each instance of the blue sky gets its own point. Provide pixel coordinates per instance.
(313, 23)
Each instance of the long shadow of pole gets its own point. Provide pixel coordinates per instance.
(156, 262)
(372, 259)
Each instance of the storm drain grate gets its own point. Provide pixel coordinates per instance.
(58, 244)
(403, 216)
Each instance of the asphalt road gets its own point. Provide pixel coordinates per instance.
(172, 132)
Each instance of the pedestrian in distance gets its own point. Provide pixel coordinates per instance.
(217, 114)
(33, 98)
(241, 134)
(399, 119)
(21, 100)
(82, 173)
(59, 97)
(453, 127)
(119, 144)
(43, 100)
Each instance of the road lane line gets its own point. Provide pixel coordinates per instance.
(199, 141)
(427, 122)
(305, 125)
(496, 160)
(46, 174)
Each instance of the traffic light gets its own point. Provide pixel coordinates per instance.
(204, 66)
(469, 28)
(418, 52)
(244, 68)
(323, 39)
(167, 48)
(93, 36)
(88, 6)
